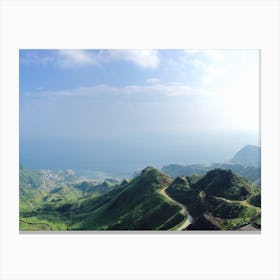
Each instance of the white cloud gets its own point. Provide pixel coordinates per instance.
(153, 92)
(213, 55)
(208, 65)
(210, 73)
(34, 57)
(75, 56)
(229, 100)
(153, 81)
(142, 58)
(61, 58)
(68, 58)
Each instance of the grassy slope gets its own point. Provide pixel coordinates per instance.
(48, 208)
(132, 205)
(138, 206)
(222, 193)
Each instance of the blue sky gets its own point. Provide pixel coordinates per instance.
(139, 96)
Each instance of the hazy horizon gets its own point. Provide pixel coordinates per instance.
(119, 110)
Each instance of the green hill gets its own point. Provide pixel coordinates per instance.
(230, 200)
(48, 199)
(219, 199)
(135, 204)
(252, 173)
(139, 206)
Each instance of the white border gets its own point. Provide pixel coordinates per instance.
(156, 24)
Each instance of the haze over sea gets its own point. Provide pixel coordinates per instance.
(114, 111)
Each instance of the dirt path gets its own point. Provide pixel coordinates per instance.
(183, 211)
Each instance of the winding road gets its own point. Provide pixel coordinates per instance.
(184, 210)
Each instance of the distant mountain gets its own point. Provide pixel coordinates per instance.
(245, 163)
(217, 200)
(175, 170)
(249, 155)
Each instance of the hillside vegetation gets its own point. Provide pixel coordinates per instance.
(217, 200)
(220, 197)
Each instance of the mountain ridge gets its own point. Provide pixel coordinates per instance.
(252, 172)
(248, 155)
(219, 199)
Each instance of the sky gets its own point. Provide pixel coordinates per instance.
(110, 110)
